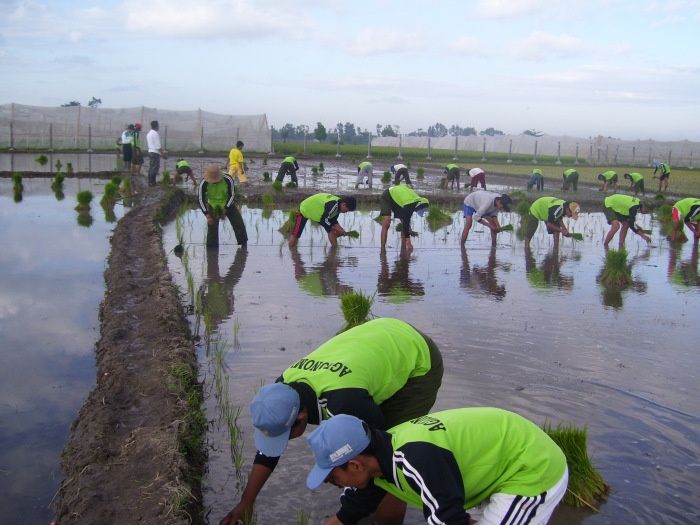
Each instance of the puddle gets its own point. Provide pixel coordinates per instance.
(51, 285)
(530, 331)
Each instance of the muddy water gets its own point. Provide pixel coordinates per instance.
(530, 331)
(50, 287)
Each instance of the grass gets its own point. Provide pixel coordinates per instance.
(586, 486)
(84, 199)
(356, 307)
(616, 273)
(288, 226)
(436, 218)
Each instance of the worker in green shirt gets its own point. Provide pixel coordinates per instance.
(182, 167)
(384, 371)
(452, 174)
(621, 212)
(552, 211)
(570, 177)
(686, 212)
(664, 176)
(460, 466)
(364, 170)
(216, 200)
(609, 179)
(324, 209)
(536, 180)
(289, 166)
(636, 182)
(402, 201)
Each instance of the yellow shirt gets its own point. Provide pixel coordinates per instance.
(235, 163)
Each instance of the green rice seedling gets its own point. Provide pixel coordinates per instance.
(353, 234)
(58, 165)
(665, 213)
(522, 208)
(436, 218)
(69, 168)
(660, 197)
(386, 177)
(616, 272)
(586, 485)
(291, 184)
(17, 181)
(126, 186)
(378, 219)
(41, 160)
(507, 228)
(84, 199)
(420, 173)
(58, 179)
(577, 236)
(58, 193)
(517, 195)
(302, 518)
(314, 171)
(277, 186)
(356, 308)
(165, 178)
(321, 167)
(266, 176)
(116, 180)
(268, 200)
(399, 227)
(288, 226)
(17, 195)
(110, 216)
(408, 164)
(110, 194)
(84, 219)
(443, 183)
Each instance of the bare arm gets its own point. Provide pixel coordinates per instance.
(259, 475)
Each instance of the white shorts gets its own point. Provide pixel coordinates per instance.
(507, 509)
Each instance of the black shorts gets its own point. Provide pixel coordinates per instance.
(611, 215)
(385, 204)
(453, 174)
(127, 152)
(664, 176)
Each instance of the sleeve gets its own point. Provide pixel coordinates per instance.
(266, 461)
(552, 215)
(356, 504)
(433, 473)
(231, 191)
(330, 214)
(632, 218)
(355, 402)
(296, 165)
(202, 197)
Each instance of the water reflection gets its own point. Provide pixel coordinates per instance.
(612, 296)
(481, 280)
(548, 274)
(322, 279)
(84, 219)
(398, 286)
(685, 274)
(216, 291)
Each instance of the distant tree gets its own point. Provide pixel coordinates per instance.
(94, 102)
(320, 132)
(70, 104)
(379, 130)
(349, 133)
(285, 131)
(532, 133)
(457, 130)
(388, 131)
(438, 130)
(491, 132)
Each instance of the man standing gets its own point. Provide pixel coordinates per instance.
(324, 209)
(384, 371)
(483, 207)
(402, 201)
(400, 171)
(155, 152)
(289, 167)
(621, 210)
(460, 466)
(216, 200)
(551, 210)
(570, 177)
(127, 140)
(364, 169)
(236, 165)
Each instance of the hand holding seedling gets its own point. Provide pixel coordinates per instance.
(210, 219)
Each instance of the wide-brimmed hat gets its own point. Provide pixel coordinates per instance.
(335, 442)
(212, 174)
(574, 208)
(274, 410)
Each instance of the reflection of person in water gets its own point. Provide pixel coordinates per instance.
(397, 285)
(320, 280)
(547, 275)
(685, 274)
(217, 290)
(480, 279)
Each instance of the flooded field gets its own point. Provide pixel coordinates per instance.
(526, 330)
(51, 284)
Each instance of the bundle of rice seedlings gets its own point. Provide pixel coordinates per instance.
(665, 212)
(523, 208)
(379, 219)
(41, 160)
(586, 485)
(356, 308)
(443, 183)
(616, 273)
(517, 195)
(84, 199)
(386, 177)
(436, 218)
(57, 180)
(321, 167)
(277, 186)
(577, 236)
(268, 200)
(353, 234)
(314, 171)
(507, 228)
(110, 194)
(116, 180)
(288, 226)
(420, 173)
(165, 179)
(266, 176)
(17, 182)
(126, 185)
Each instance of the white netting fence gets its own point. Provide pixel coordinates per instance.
(600, 150)
(83, 128)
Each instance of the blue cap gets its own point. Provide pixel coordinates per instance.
(335, 442)
(274, 410)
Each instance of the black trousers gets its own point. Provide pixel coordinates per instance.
(236, 219)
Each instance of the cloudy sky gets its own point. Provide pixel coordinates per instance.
(621, 68)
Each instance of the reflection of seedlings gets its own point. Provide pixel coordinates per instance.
(41, 160)
(84, 218)
(321, 167)
(436, 218)
(58, 193)
(420, 173)
(356, 308)
(266, 176)
(69, 168)
(616, 273)
(17, 195)
(277, 186)
(586, 485)
(58, 164)
(110, 194)
(110, 216)
(268, 200)
(17, 182)
(386, 177)
(84, 199)
(57, 180)
(288, 226)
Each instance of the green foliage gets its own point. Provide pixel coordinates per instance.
(193, 427)
(665, 213)
(517, 195)
(165, 179)
(420, 173)
(116, 180)
(110, 194)
(17, 195)
(69, 167)
(277, 186)
(356, 308)
(17, 182)
(353, 234)
(84, 199)
(314, 171)
(58, 179)
(436, 218)
(266, 176)
(586, 485)
(126, 186)
(268, 200)
(288, 226)
(58, 165)
(58, 192)
(321, 167)
(84, 219)
(291, 184)
(42, 160)
(523, 208)
(110, 216)
(386, 177)
(616, 273)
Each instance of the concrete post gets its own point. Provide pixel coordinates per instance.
(558, 162)
(369, 144)
(510, 152)
(534, 157)
(337, 147)
(399, 157)
(429, 157)
(576, 161)
(89, 138)
(483, 151)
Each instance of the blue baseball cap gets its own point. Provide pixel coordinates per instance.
(335, 442)
(274, 410)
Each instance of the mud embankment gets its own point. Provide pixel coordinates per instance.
(132, 455)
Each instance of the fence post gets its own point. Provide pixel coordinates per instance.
(399, 157)
(534, 157)
(483, 151)
(558, 162)
(456, 147)
(510, 152)
(77, 129)
(165, 138)
(634, 153)
(669, 156)
(429, 157)
(369, 145)
(337, 147)
(607, 154)
(201, 137)
(690, 163)
(576, 161)
(12, 136)
(649, 161)
(50, 136)
(89, 138)
(304, 142)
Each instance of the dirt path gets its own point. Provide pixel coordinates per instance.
(126, 460)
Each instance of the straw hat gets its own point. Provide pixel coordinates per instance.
(574, 208)
(213, 174)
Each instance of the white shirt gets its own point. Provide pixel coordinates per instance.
(153, 141)
(482, 202)
(126, 136)
(397, 167)
(475, 171)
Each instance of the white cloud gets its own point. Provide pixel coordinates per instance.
(466, 45)
(509, 8)
(379, 41)
(540, 46)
